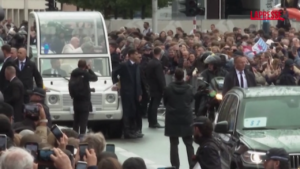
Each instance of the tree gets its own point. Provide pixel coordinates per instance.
(108, 6)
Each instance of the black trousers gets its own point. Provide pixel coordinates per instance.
(139, 118)
(26, 98)
(80, 121)
(144, 104)
(188, 141)
(132, 124)
(152, 110)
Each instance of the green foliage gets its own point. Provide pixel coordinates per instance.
(107, 6)
(102, 4)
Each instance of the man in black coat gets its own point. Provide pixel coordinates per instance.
(26, 71)
(8, 60)
(16, 93)
(287, 76)
(83, 105)
(55, 71)
(115, 57)
(130, 91)
(157, 83)
(239, 76)
(178, 98)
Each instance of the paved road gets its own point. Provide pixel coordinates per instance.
(153, 148)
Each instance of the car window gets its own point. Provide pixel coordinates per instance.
(225, 108)
(271, 112)
(231, 116)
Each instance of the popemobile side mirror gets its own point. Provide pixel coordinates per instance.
(221, 127)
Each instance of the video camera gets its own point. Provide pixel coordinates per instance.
(19, 39)
(32, 111)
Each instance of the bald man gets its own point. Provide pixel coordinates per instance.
(26, 71)
(73, 47)
(14, 94)
(14, 52)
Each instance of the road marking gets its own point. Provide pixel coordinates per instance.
(149, 163)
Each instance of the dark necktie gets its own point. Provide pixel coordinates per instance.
(22, 65)
(242, 79)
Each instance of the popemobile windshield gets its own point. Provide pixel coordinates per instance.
(62, 39)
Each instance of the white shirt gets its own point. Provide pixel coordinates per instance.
(238, 73)
(6, 58)
(54, 72)
(20, 64)
(146, 31)
(12, 78)
(132, 62)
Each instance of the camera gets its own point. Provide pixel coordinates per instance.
(32, 111)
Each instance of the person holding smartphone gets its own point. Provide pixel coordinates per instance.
(40, 125)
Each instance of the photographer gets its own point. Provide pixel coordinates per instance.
(38, 96)
(18, 40)
(80, 92)
(35, 120)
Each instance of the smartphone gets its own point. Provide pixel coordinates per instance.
(82, 148)
(110, 148)
(44, 156)
(72, 149)
(56, 132)
(33, 149)
(81, 165)
(167, 168)
(3, 142)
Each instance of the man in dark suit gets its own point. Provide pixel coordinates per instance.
(157, 83)
(55, 71)
(131, 93)
(26, 71)
(8, 60)
(14, 93)
(115, 57)
(239, 76)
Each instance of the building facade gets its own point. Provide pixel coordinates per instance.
(18, 10)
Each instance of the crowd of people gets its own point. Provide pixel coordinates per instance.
(141, 60)
(233, 55)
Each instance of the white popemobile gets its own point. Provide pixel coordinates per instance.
(63, 38)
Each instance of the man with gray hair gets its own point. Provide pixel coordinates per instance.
(129, 45)
(16, 158)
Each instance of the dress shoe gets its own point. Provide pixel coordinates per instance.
(130, 136)
(139, 134)
(155, 126)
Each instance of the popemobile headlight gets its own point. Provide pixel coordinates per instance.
(53, 99)
(219, 96)
(110, 98)
(253, 157)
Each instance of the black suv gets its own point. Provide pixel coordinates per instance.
(251, 121)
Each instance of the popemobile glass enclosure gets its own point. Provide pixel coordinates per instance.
(57, 41)
(69, 36)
